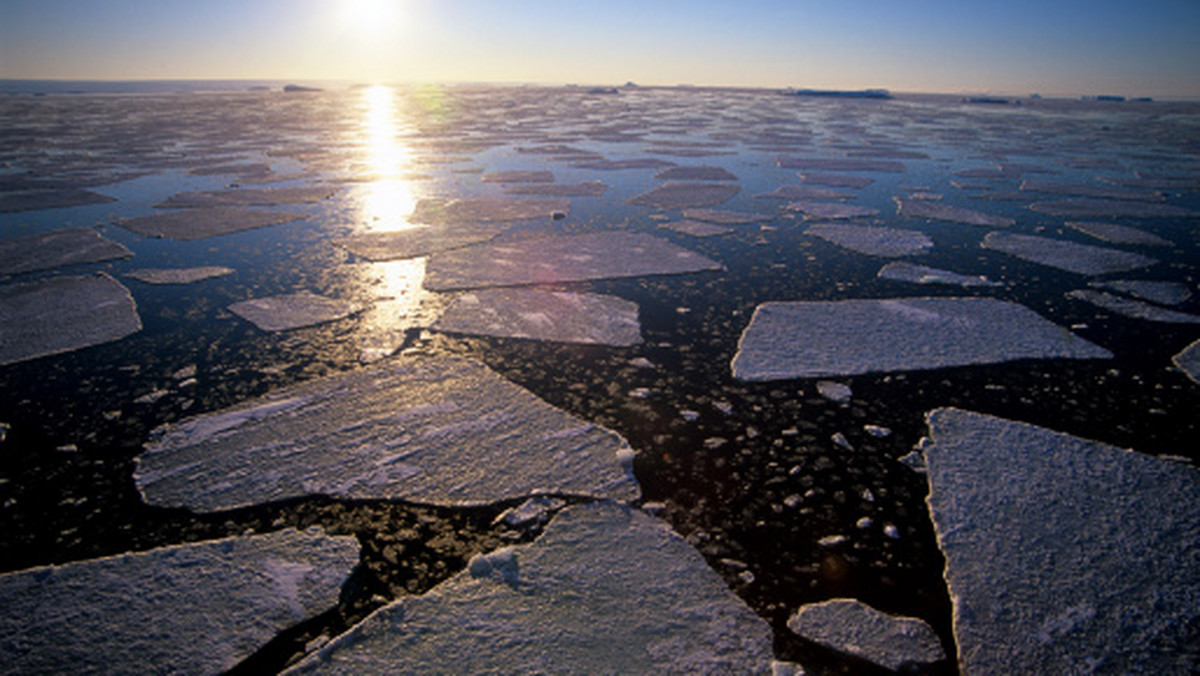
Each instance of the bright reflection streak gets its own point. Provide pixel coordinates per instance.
(389, 199)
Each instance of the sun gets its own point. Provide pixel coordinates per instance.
(368, 18)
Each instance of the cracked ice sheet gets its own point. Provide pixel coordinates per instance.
(1082, 259)
(544, 315)
(683, 195)
(292, 311)
(871, 240)
(1063, 555)
(853, 627)
(249, 197)
(56, 249)
(62, 314)
(1133, 308)
(938, 211)
(417, 241)
(190, 224)
(570, 258)
(187, 609)
(809, 339)
(435, 430)
(178, 275)
(605, 589)
(902, 271)
(437, 210)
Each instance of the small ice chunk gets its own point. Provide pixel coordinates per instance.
(781, 668)
(193, 608)
(440, 210)
(686, 194)
(1082, 259)
(834, 391)
(696, 228)
(913, 460)
(178, 275)
(837, 338)
(864, 523)
(852, 627)
(837, 164)
(189, 224)
(583, 189)
(840, 440)
(57, 248)
(61, 314)
(544, 315)
(695, 174)
(1118, 234)
(417, 241)
(891, 531)
(938, 211)
(904, 271)
(1188, 361)
(877, 431)
(1163, 293)
(835, 210)
(518, 177)
(534, 509)
(833, 540)
(1133, 308)
(292, 311)
(1101, 208)
(723, 217)
(54, 198)
(873, 240)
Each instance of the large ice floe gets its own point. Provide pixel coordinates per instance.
(1104, 208)
(680, 195)
(902, 271)
(440, 430)
(1133, 308)
(839, 164)
(544, 315)
(830, 338)
(697, 228)
(1188, 361)
(554, 259)
(604, 590)
(938, 211)
(724, 217)
(189, 224)
(872, 240)
(1106, 192)
(1118, 234)
(57, 248)
(804, 192)
(581, 189)
(53, 198)
(436, 210)
(178, 275)
(1082, 259)
(249, 197)
(1166, 293)
(188, 609)
(853, 627)
(837, 210)
(417, 241)
(1063, 555)
(695, 174)
(62, 314)
(292, 311)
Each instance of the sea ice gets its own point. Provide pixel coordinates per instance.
(584, 189)
(438, 210)
(1118, 234)
(605, 589)
(835, 338)
(569, 258)
(695, 174)
(189, 224)
(804, 192)
(853, 627)
(834, 391)
(188, 609)
(437, 430)
(722, 217)
(1188, 361)
(1164, 293)
(684, 194)
(601, 164)
(1133, 308)
(1063, 555)
(697, 228)
(29, 200)
(248, 197)
(836, 210)
(838, 180)
(1106, 192)
(835, 164)
(57, 248)
(544, 315)
(1056, 253)
(937, 211)
(871, 240)
(903, 271)
(518, 177)
(292, 311)
(62, 314)
(417, 241)
(1083, 207)
(178, 275)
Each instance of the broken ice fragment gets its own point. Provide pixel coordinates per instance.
(518, 177)
(809, 339)
(617, 165)
(696, 228)
(248, 197)
(871, 240)
(938, 211)
(1083, 259)
(571, 258)
(544, 315)
(838, 180)
(903, 271)
(695, 174)
(683, 195)
(1101, 208)
(57, 248)
(439, 430)
(29, 200)
(1063, 554)
(178, 275)
(1165, 293)
(62, 314)
(1188, 361)
(292, 311)
(822, 164)
(834, 391)
(417, 241)
(192, 608)
(837, 210)
(490, 210)
(584, 189)
(1118, 234)
(189, 224)
(605, 589)
(1107, 192)
(1133, 308)
(804, 192)
(853, 627)
(723, 217)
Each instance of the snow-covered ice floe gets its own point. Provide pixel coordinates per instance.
(853, 627)
(417, 241)
(1133, 308)
(62, 314)
(680, 195)
(831, 338)
(292, 311)
(544, 315)
(1063, 555)
(605, 589)
(189, 224)
(1165, 293)
(1082, 259)
(437, 210)
(57, 248)
(569, 258)
(902, 271)
(1188, 361)
(249, 197)
(187, 609)
(937, 211)
(439, 430)
(178, 275)
(873, 240)
(1118, 234)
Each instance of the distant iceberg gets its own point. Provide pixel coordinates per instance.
(843, 93)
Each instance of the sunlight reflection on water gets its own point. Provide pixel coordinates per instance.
(389, 198)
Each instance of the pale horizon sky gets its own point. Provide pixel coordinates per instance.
(1053, 47)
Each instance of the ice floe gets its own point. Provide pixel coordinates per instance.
(872, 240)
(1118, 234)
(29, 200)
(518, 177)
(618, 165)
(695, 174)
(189, 224)
(440, 430)
(835, 164)
(57, 248)
(697, 228)
(1164, 293)
(1106, 192)
(1063, 555)
(584, 189)
(569, 258)
(903, 271)
(853, 627)
(436, 210)
(62, 314)
(810, 339)
(1133, 308)
(544, 315)
(838, 180)
(804, 192)
(417, 241)
(723, 217)
(680, 195)
(178, 275)
(605, 589)
(1083, 259)
(187, 609)
(838, 210)
(839, 392)
(248, 197)
(292, 311)
(937, 211)
(1188, 361)
(1083, 207)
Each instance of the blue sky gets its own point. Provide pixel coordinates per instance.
(1136, 47)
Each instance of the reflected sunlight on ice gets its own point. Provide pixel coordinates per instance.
(388, 198)
(402, 304)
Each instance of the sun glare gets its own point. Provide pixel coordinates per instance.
(369, 18)
(389, 198)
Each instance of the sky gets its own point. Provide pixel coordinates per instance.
(1053, 47)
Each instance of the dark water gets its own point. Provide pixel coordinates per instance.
(747, 472)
